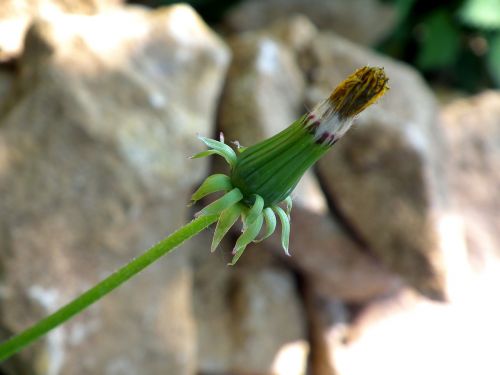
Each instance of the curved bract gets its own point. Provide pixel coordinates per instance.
(264, 175)
(234, 205)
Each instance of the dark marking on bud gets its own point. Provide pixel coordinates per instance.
(311, 123)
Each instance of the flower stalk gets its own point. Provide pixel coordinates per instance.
(261, 180)
(14, 344)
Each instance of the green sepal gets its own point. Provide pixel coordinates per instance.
(227, 200)
(212, 184)
(270, 219)
(246, 237)
(285, 228)
(206, 153)
(255, 211)
(226, 220)
(221, 149)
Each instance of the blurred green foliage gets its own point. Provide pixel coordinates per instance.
(456, 43)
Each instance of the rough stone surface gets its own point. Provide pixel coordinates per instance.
(328, 327)
(246, 315)
(17, 15)
(386, 176)
(93, 161)
(472, 129)
(335, 265)
(264, 89)
(296, 31)
(7, 79)
(363, 21)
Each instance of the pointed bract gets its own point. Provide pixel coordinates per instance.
(285, 228)
(245, 238)
(270, 219)
(227, 200)
(226, 220)
(264, 175)
(212, 184)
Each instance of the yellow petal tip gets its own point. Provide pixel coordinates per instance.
(358, 91)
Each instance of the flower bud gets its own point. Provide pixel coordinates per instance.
(264, 175)
(273, 167)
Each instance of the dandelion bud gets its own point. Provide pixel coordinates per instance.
(273, 168)
(264, 175)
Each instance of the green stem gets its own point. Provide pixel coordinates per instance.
(16, 343)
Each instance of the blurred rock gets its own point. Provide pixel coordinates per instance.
(17, 15)
(264, 89)
(7, 78)
(362, 21)
(335, 265)
(270, 293)
(386, 176)
(94, 169)
(296, 32)
(472, 129)
(212, 304)
(328, 327)
(246, 315)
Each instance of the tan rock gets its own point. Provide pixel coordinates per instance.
(7, 78)
(17, 15)
(264, 89)
(269, 293)
(363, 21)
(335, 265)
(328, 320)
(296, 31)
(93, 169)
(247, 314)
(472, 129)
(386, 175)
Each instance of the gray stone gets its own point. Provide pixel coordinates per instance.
(472, 129)
(386, 176)
(264, 89)
(363, 21)
(17, 15)
(296, 32)
(7, 79)
(245, 314)
(328, 328)
(334, 265)
(94, 169)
